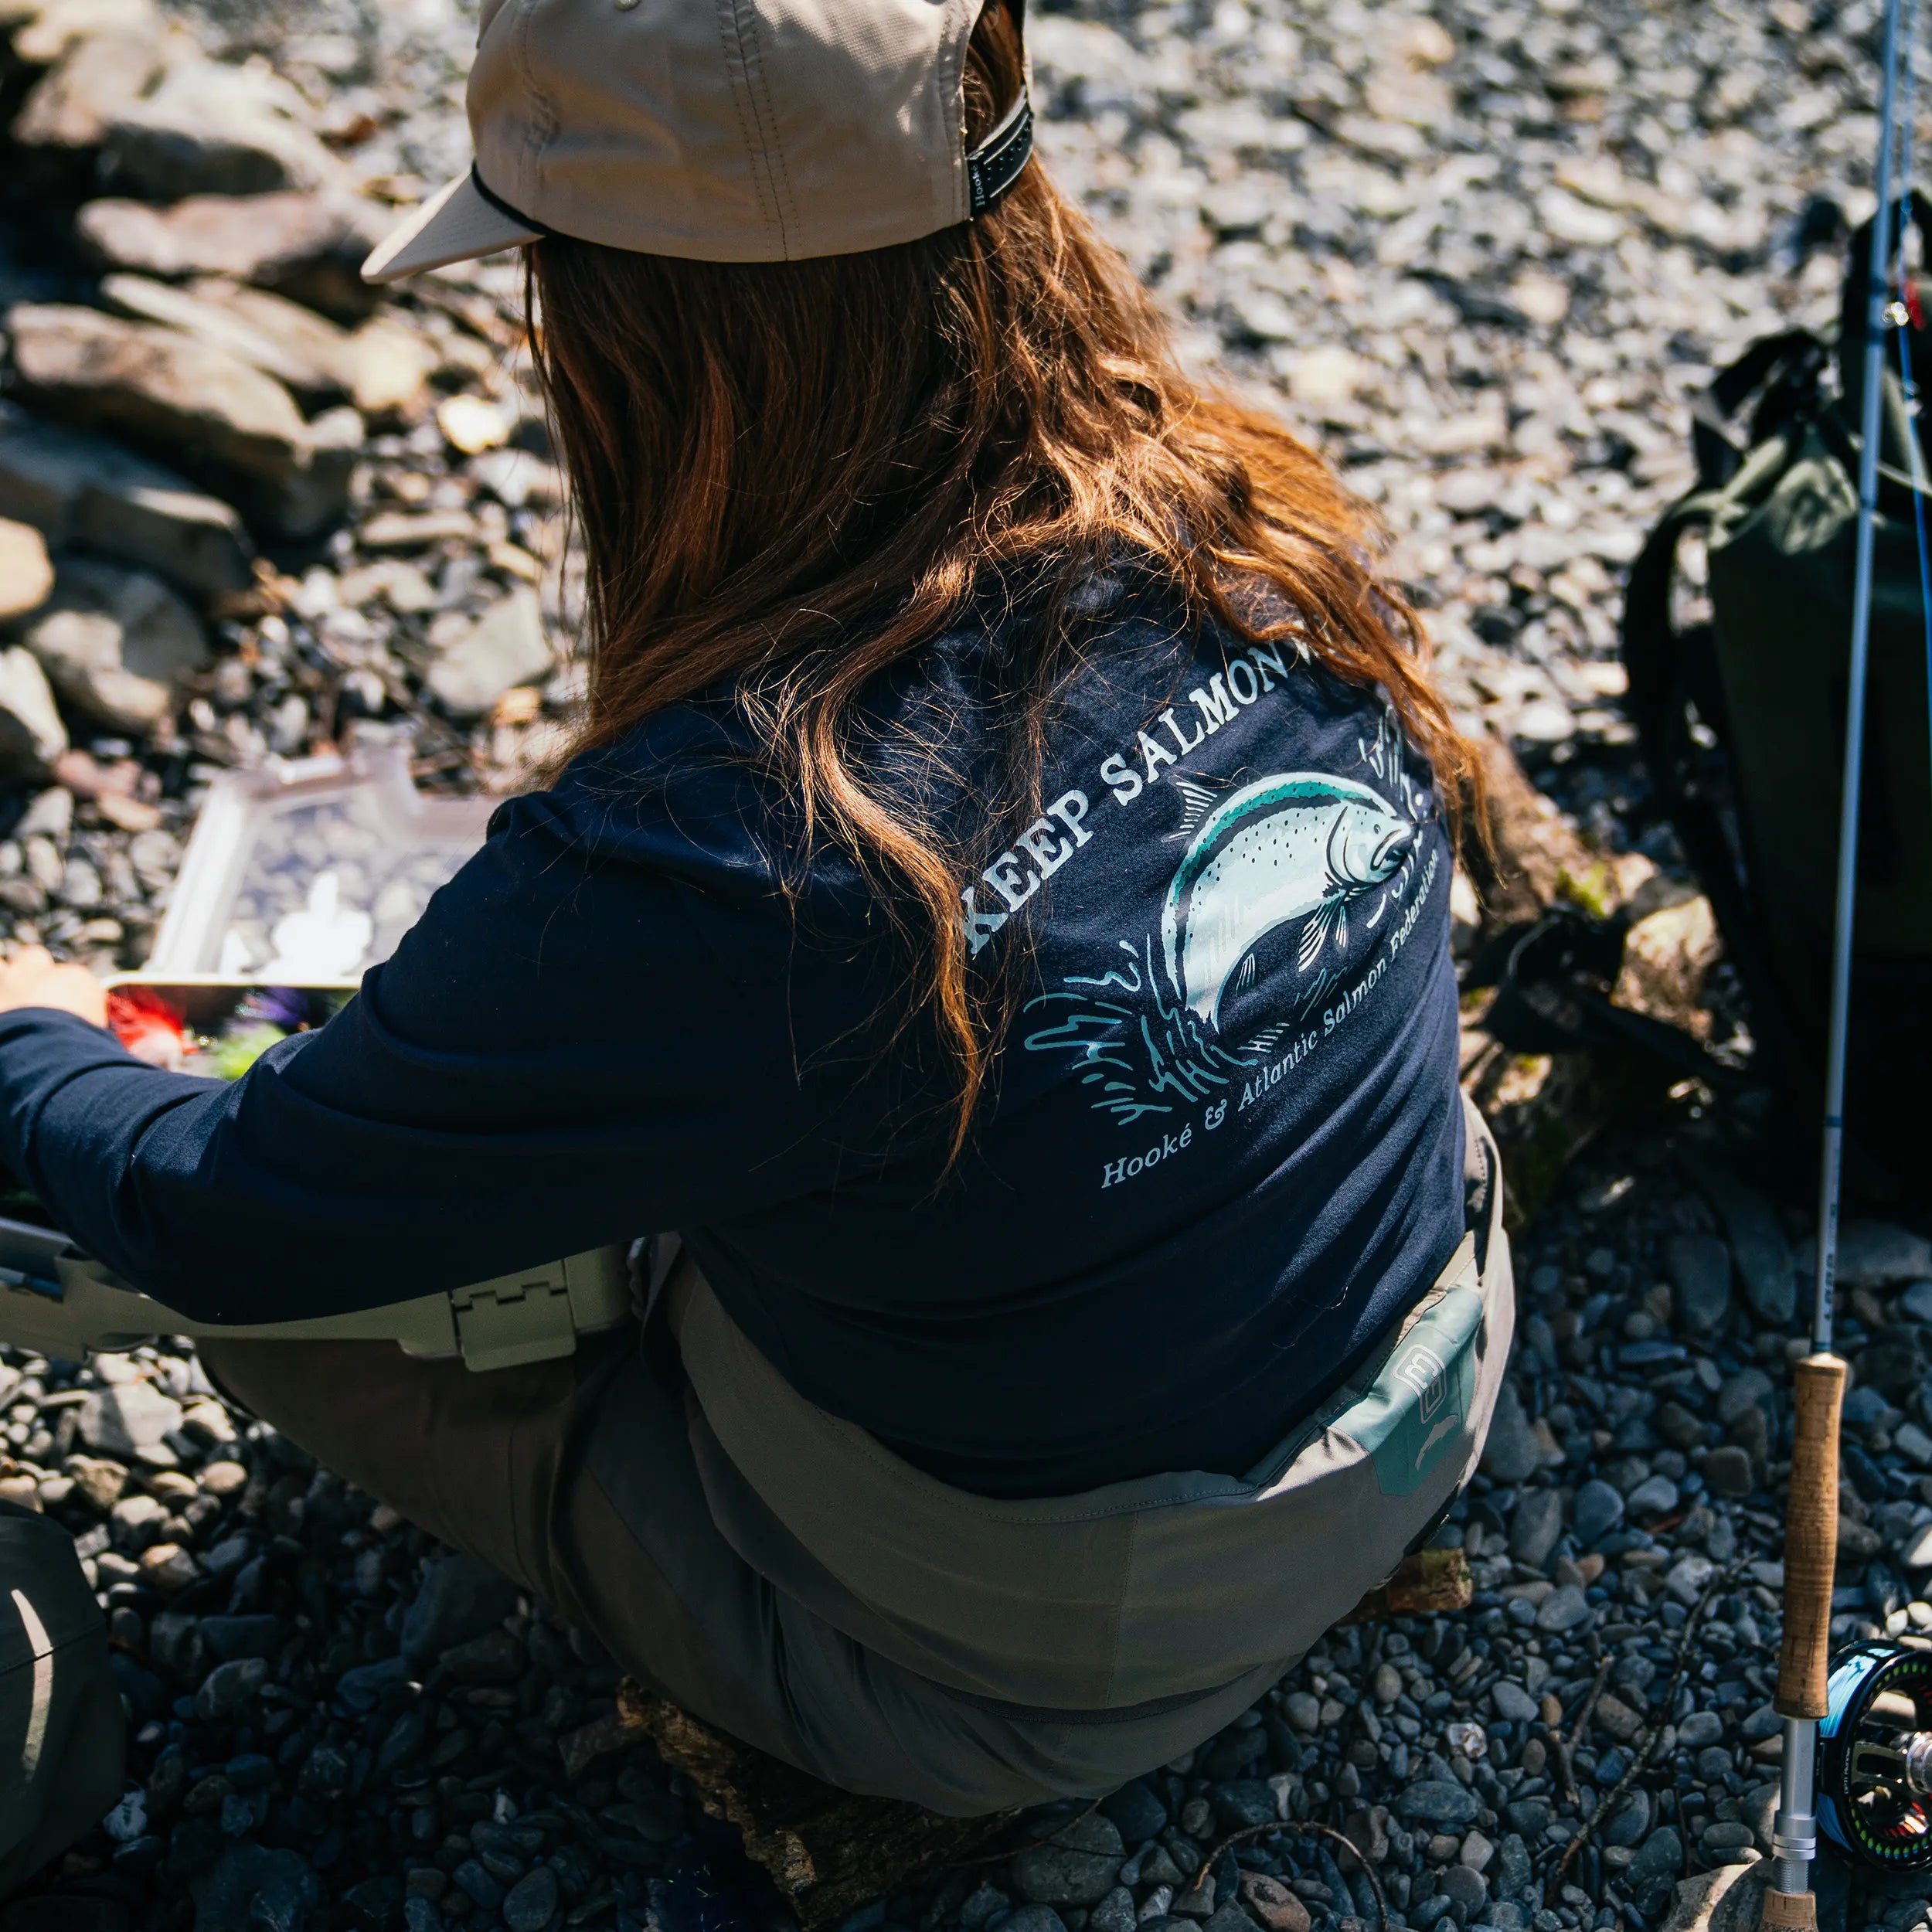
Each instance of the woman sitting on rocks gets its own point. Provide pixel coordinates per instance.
(996, 911)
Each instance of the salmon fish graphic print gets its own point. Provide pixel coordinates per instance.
(1298, 845)
(1293, 895)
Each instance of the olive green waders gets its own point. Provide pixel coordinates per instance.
(777, 1572)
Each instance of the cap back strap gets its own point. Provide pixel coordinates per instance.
(993, 167)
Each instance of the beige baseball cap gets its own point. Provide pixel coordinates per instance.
(724, 131)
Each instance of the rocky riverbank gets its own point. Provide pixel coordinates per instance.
(1483, 256)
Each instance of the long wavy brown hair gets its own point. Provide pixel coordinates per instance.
(788, 476)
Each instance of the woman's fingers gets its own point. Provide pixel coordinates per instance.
(32, 977)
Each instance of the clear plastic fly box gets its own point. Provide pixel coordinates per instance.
(308, 872)
(296, 878)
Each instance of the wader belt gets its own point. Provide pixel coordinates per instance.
(55, 1299)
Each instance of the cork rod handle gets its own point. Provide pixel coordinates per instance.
(1789, 1911)
(1810, 1538)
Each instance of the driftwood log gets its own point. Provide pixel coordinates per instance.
(1544, 1107)
(827, 1852)
(1426, 1585)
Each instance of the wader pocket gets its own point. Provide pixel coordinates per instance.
(1418, 1409)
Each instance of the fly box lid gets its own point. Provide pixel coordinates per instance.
(309, 871)
(297, 878)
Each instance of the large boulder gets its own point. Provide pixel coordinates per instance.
(79, 489)
(210, 128)
(159, 386)
(114, 642)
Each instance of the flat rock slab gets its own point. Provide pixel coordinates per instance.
(1874, 1254)
(1729, 1898)
(382, 367)
(80, 489)
(159, 382)
(96, 78)
(160, 387)
(267, 331)
(213, 129)
(295, 241)
(126, 1417)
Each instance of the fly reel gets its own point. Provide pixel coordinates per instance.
(1875, 1756)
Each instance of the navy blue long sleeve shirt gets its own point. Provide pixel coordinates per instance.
(1220, 1154)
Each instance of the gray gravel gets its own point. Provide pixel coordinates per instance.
(1484, 256)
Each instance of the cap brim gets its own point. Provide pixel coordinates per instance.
(456, 224)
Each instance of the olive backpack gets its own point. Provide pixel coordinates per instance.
(62, 1739)
(1740, 709)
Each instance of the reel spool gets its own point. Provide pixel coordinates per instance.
(1875, 1756)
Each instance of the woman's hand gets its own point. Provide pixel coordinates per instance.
(32, 978)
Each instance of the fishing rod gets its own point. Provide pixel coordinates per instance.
(1805, 1680)
(1872, 1774)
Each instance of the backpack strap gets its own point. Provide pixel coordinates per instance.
(1668, 668)
(1671, 673)
(1786, 368)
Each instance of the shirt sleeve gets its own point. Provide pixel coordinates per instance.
(590, 1036)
